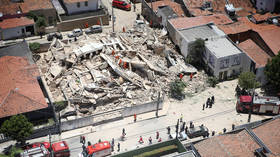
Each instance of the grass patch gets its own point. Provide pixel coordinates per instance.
(159, 151)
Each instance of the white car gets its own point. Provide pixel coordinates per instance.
(75, 33)
(139, 23)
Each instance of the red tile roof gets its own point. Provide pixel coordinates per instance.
(8, 7)
(30, 5)
(260, 17)
(271, 37)
(175, 6)
(238, 145)
(269, 133)
(187, 22)
(255, 52)
(16, 22)
(19, 88)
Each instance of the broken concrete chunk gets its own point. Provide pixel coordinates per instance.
(55, 70)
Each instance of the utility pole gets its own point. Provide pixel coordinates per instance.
(50, 141)
(113, 19)
(158, 104)
(251, 104)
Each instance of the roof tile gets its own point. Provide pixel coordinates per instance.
(175, 6)
(16, 22)
(19, 88)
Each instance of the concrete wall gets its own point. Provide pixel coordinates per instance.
(12, 33)
(80, 23)
(139, 109)
(49, 14)
(171, 32)
(267, 5)
(72, 8)
(76, 123)
(149, 14)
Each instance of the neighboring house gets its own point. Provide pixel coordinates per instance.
(11, 9)
(20, 92)
(166, 13)
(268, 5)
(258, 58)
(21, 89)
(222, 56)
(16, 28)
(260, 141)
(158, 12)
(79, 6)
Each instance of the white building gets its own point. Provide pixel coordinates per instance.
(222, 56)
(16, 27)
(79, 6)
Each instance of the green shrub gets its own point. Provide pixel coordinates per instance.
(158, 152)
(60, 105)
(177, 89)
(213, 81)
(34, 47)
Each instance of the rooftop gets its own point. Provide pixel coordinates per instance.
(168, 11)
(188, 22)
(16, 22)
(204, 32)
(175, 6)
(227, 48)
(9, 7)
(19, 88)
(271, 37)
(269, 133)
(244, 7)
(258, 55)
(74, 1)
(228, 145)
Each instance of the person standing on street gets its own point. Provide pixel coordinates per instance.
(119, 146)
(134, 117)
(157, 135)
(168, 130)
(141, 140)
(203, 106)
(181, 118)
(134, 7)
(150, 140)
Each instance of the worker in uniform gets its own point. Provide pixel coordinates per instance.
(232, 126)
(134, 117)
(224, 130)
(186, 129)
(84, 139)
(213, 99)
(213, 133)
(113, 144)
(134, 7)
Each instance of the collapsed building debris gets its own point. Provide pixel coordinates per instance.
(105, 73)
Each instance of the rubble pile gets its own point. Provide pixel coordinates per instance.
(104, 72)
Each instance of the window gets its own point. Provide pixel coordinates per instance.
(86, 3)
(224, 63)
(78, 4)
(236, 60)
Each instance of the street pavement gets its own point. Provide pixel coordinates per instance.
(221, 115)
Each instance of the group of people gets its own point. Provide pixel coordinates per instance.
(141, 141)
(209, 102)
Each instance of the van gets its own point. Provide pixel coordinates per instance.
(121, 5)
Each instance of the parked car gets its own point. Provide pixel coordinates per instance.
(139, 23)
(57, 35)
(94, 29)
(75, 33)
(121, 5)
(198, 131)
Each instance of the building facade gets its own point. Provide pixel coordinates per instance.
(79, 6)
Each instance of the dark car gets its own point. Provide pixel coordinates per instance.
(94, 29)
(198, 131)
(54, 35)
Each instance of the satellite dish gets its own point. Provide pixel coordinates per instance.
(1, 14)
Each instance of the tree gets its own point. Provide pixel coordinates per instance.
(34, 47)
(196, 52)
(247, 80)
(177, 89)
(272, 71)
(18, 128)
